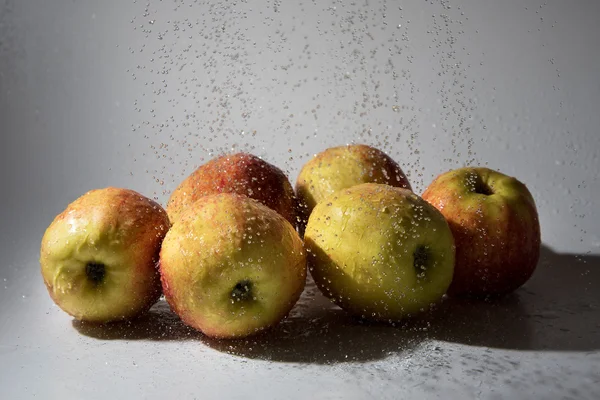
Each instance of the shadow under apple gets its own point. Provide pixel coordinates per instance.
(319, 332)
(557, 310)
(495, 323)
(316, 331)
(160, 323)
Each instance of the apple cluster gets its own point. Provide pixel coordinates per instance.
(231, 251)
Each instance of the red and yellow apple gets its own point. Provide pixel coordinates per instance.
(379, 252)
(231, 266)
(494, 220)
(99, 256)
(240, 173)
(342, 167)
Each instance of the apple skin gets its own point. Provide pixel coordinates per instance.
(342, 167)
(118, 228)
(495, 224)
(363, 246)
(239, 173)
(220, 247)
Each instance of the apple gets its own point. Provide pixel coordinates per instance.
(99, 256)
(239, 173)
(379, 252)
(494, 220)
(340, 168)
(231, 266)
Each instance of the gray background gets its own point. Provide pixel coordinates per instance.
(137, 94)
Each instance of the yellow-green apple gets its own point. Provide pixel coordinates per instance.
(496, 229)
(240, 173)
(99, 256)
(231, 266)
(379, 252)
(343, 167)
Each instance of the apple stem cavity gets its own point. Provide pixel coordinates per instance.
(478, 186)
(482, 188)
(95, 272)
(242, 291)
(421, 260)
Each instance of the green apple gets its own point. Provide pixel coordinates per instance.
(99, 256)
(239, 173)
(379, 252)
(232, 266)
(495, 224)
(340, 168)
